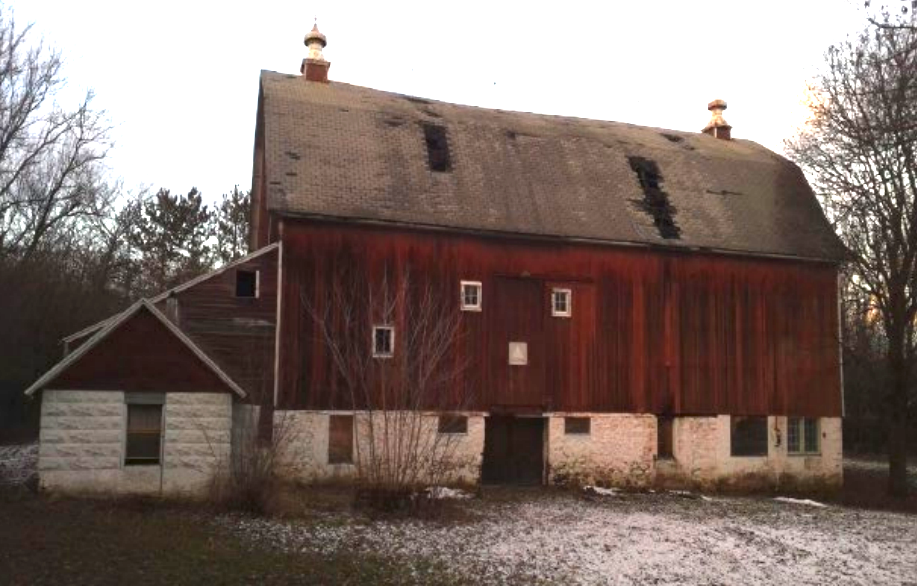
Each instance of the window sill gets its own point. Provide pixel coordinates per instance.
(472, 309)
(804, 454)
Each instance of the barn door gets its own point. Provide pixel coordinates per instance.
(518, 354)
(513, 450)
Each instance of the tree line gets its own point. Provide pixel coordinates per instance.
(75, 247)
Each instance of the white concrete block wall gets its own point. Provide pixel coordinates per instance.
(303, 443)
(82, 442)
(703, 456)
(619, 450)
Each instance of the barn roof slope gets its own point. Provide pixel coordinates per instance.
(339, 151)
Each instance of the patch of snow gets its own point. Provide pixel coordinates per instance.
(18, 464)
(444, 492)
(598, 490)
(642, 539)
(807, 502)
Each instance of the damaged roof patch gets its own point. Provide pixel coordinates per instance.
(655, 201)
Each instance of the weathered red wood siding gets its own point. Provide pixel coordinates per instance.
(140, 355)
(237, 333)
(652, 331)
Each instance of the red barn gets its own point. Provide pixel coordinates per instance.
(595, 301)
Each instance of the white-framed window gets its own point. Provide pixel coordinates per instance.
(383, 341)
(561, 302)
(803, 435)
(471, 295)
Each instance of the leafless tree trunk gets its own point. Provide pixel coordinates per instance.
(860, 149)
(399, 395)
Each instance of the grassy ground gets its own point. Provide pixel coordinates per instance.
(135, 542)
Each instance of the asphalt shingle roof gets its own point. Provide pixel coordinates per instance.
(341, 151)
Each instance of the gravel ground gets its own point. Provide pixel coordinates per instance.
(626, 539)
(18, 464)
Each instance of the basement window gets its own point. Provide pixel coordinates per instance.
(748, 436)
(246, 283)
(577, 425)
(143, 442)
(340, 439)
(437, 148)
(655, 201)
(383, 341)
(471, 295)
(664, 437)
(453, 424)
(802, 435)
(561, 302)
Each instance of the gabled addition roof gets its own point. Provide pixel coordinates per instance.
(342, 152)
(177, 289)
(110, 326)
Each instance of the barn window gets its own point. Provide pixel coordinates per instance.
(453, 424)
(561, 302)
(143, 441)
(471, 295)
(437, 147)
(802, 435)
(577, 425)
(246, 283)
(748, 436)
(340, 439)
(664, 437)
(383, 341)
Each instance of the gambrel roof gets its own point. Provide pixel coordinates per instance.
(339, 151)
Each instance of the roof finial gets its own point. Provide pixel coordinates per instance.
(717, 127)
(315, 66)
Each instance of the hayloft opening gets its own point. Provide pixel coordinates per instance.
(655, 201)
(437, 147)
(246, 283)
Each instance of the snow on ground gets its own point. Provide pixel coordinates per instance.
(792, 501)
(633, 539)
(18, 463)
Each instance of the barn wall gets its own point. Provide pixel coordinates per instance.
(303, 445)
(619, 450)
(652, 331)
(81, 443)
(237, 333)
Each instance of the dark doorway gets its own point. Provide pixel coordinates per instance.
(513, 450)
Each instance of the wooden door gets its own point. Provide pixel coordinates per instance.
(513, 450)
(517, 356)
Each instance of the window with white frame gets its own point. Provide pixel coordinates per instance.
(471, 295)
(383, 341)
(802, 435)
(561, 302)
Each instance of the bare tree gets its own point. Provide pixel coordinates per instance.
(50, 156)
(397, 396)
(860, 149)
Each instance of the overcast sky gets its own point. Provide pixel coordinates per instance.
(180, 79)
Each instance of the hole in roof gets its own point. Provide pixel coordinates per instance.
(655, 201)
(510, 135)
(724, 192)
(673, 137)
(290, 174)
(437, 147)
(430, 113)
(345, 110)
(293, 155)
(417, 100)
(393, 122)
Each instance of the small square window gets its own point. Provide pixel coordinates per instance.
(802, 435)
(340, 439)
(577, 425)
(561, 302)
(246, 283)
(453, 424)
(383, 341)
(471, 295)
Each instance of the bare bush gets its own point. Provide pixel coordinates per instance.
(396, 397)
